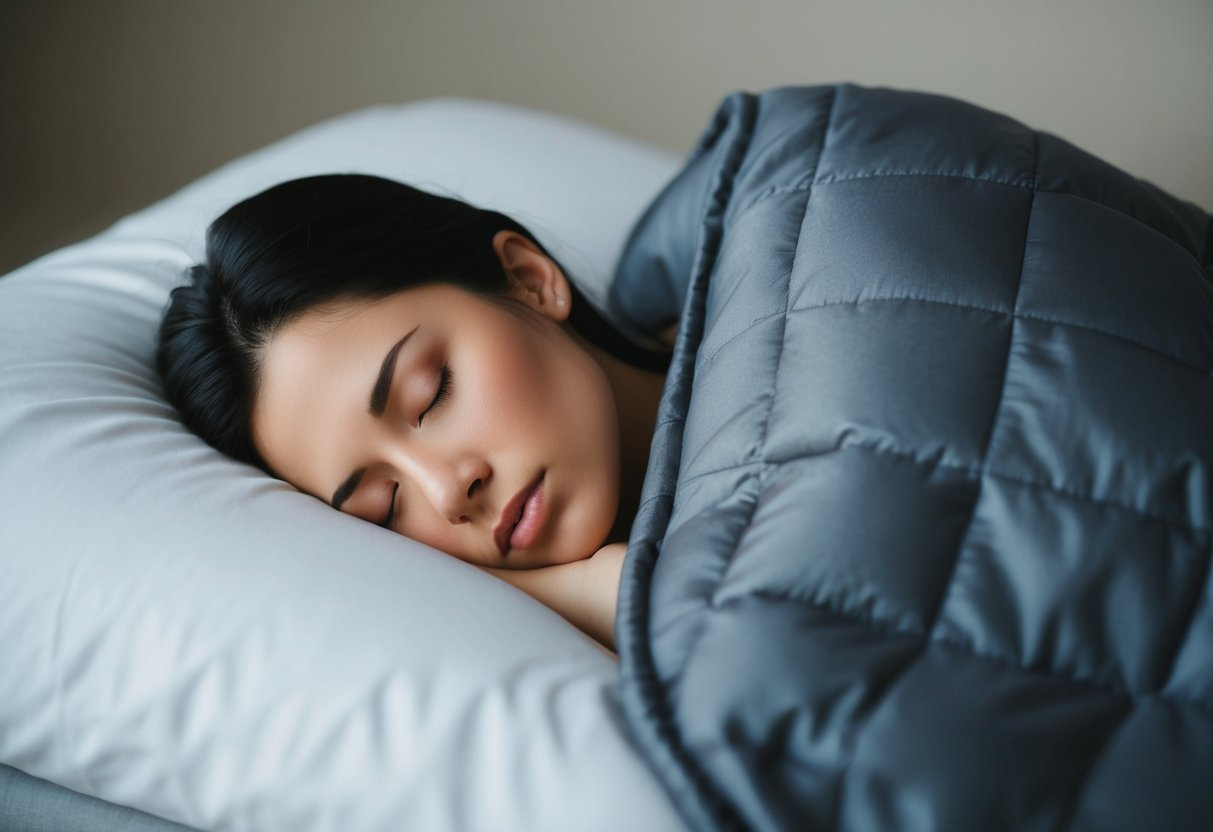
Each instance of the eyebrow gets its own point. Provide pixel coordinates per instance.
(383, 383)
(376, 407)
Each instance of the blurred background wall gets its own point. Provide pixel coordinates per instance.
(108, 106)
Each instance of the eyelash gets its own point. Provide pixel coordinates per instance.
(391, 508)
(440, 396)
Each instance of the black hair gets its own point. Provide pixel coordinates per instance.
(302, 243)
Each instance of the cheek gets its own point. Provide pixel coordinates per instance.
(588, 445)
(515, 383)
(519, 379)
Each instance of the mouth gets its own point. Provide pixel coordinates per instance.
(522, 519)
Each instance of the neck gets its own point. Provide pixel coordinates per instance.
(637, 393)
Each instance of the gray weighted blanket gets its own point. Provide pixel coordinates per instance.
(926, 534)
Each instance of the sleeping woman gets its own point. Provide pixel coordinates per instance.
(934, 459)
(426, 366)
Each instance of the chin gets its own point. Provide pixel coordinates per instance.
(587, 544)
(586, 522)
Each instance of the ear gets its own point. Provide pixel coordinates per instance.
(535, 279)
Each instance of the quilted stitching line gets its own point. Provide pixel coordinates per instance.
(960, 547)
(1028, 316)
(1098, 501)
(780, 190)
(929, 642)
(769, 396)
(1136, 220)
(895, 174)
(733, 466)
(1028, 185)
(803, 184)
(978, 473)
(707, 361)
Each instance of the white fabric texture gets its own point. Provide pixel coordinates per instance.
(182, 634)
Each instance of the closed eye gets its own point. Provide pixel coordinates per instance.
(391, 510)
(440, 395)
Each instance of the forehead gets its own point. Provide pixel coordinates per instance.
(320, 344)
(323, 345)
(315, 370)
(306, 370)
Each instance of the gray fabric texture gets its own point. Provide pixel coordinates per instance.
(925, 538)
(29, 804)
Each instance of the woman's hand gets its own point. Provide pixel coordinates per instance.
(584, 592)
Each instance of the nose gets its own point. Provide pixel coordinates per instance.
(451, 482)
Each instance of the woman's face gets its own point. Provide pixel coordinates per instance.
(476, 425)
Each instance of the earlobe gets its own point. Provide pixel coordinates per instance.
(535, 279)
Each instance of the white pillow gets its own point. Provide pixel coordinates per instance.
(182, 634)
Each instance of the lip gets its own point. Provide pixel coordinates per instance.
(512, 513)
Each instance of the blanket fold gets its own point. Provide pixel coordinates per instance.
(926, 535)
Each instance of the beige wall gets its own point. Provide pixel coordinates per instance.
(106, 106)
